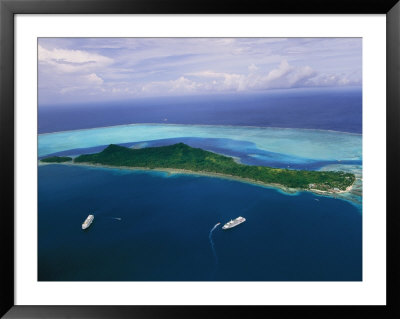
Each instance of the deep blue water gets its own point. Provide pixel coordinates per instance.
(327, 109)
(285, 237)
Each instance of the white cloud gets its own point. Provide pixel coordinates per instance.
(333, 80)
(93, 78)
(70, 89)
(85, 82)
(208, 74)
(252, 68)
(284, 76)
(181, 85)
(69, 61)
(275, 74)
(228, 81)
(71, 72)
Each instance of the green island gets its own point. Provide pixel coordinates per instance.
(56, 159)
(187, 159)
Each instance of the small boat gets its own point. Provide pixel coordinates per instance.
(88, 221)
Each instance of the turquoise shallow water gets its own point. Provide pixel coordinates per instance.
(307, 144)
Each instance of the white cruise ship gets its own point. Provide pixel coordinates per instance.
(88, 221)
(234, 222)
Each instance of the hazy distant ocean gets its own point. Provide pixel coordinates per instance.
(154, 226)
(326, 109)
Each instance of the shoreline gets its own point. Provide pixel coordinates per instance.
(173, 171)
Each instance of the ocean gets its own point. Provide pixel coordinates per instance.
(156, 227)
(153, 226)
(325, 109)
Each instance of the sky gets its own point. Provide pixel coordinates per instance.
(80, 70)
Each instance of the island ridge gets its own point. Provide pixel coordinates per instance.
(183, 157)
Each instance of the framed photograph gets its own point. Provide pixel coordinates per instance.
(173, 159)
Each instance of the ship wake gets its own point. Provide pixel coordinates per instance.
(212, 243)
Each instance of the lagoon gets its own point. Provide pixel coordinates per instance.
(302, 143)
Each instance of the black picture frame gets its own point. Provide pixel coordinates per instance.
(8, 8)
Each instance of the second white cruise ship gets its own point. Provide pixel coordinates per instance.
(234, 222)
